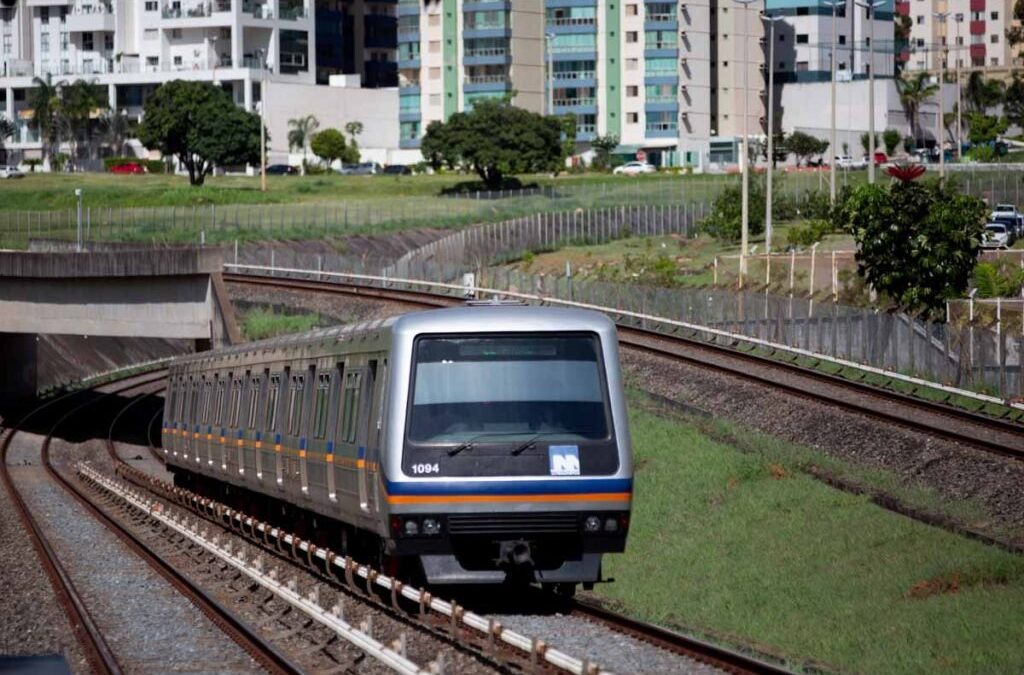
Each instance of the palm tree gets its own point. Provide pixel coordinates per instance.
(78, 101)
(300, 133)
(913, 92)
(115, 130)
(44, 99)
(982, 94)
(7, 130)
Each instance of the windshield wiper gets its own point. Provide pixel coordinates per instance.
(465, 445)
(531, 442)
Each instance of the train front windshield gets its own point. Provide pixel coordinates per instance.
(505, 388)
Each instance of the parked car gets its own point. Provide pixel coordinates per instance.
(10, 172)
(282, 170)
(397, 170)
(1009, 215)
(847, 162)
(634, 169)
(881, 158)
(361, 169)
(128, 168)
(997, 235)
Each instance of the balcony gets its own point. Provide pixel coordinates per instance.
(573, 75)
(482, 82)
(662, 129)
(978, 52)
(977, 5)
(487, 55)
(258, 10)
(903, 8)
(92, 19)
(196, 11)
(579, 104)
(571, 21)
(977, 27)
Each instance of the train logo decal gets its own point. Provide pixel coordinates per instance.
(564, 460)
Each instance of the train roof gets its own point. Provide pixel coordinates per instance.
(468, 319)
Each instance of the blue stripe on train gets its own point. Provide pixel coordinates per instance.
(330, 447)
(574, 486)
(362, 452)
(302, 444)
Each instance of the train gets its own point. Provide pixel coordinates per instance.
(480, 444)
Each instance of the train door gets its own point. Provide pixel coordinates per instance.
(231, 450)
(365, 414)
(306, 416)
(333, 422)
(378, 376)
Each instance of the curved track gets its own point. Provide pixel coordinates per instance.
(99, 654)
(963, 426)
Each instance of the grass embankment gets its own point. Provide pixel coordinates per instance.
(742, 546)
(261, 323)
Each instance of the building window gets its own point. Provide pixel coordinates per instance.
(920, 20)
(867, 42)
(151, 6)
(631, 10)
(434, 73)
(995, 61)
(44, 15)
(994, 39)
(87, 43)
(920, 42)
(995, 16)
(801, 66)
(842, 39)
(435, 99)
(632, 64)
(632, 118)
(177, 62)
(44, 42)
(64, 40)
(632, 36)
(175, 33)
(801, 38)
(632, 91)
(108, 41)
(149, 34)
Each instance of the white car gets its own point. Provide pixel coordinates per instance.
(1008, 214)
(634, 169)
(996, 236)
(847, 162)
(10, 172)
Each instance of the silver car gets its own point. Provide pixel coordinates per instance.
(997, 235)
(10, 172)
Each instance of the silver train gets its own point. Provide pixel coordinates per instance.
(488, 443)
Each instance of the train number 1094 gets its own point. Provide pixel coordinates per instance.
(423, 469)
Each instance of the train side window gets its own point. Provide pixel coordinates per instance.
(236, 402)
(193, 416)
(320, 408)
(295, 404)
(204, 399)
(218, 402)
(254, 398)
(335, 414)
(272, 395)
(349, 425)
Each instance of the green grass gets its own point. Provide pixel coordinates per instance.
(742, 546)
(260, 323)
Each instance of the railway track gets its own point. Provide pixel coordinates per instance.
(973, 429)
(100, 656)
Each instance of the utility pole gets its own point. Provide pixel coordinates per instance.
(834, 4)
(548, 37)
(744, 150)
(939, 143)
(771, 130)
(871, 7)
(263, 119)
(959, 103)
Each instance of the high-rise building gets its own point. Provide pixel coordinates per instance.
(357, 37)
(968, 33)
(664, 77)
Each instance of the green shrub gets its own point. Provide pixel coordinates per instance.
(725, 221)
(58, 161)
(808, 234)
(32, 164)
(155, 165)
(999, 279)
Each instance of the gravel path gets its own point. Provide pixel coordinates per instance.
(955, 471)
(148, 625)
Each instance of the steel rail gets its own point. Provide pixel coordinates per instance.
(259, 649)
(87, 633)
(720, 657)
(969, 428)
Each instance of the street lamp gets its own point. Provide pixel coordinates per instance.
(941, 18)
(548, 37)
(744, 153)
(261, 54)
(834, 4)
(871, 7)
(771, 20)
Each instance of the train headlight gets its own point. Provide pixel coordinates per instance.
(592, 524)
(411, 528)
(431, 526)
(611, 525)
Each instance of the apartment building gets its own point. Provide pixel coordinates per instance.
(968, 33)
(357, 37)
(132, 46)
(665, 77)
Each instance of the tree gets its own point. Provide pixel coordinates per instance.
(115, 130)
(44, 99)
(986, 129)
(891, 140)
(353, 129)
(493, 140)
(981, 94)
(78, 101)
(913, 92)
(299, 134)
(901, 33)
(726, 218)
(916, 243)
(804, 145)
(330, 145)
(7, 130)
(201, 125)
(780, 148)
(1013, 100)
(865, 142)
(1015, 33)
(603, 147)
